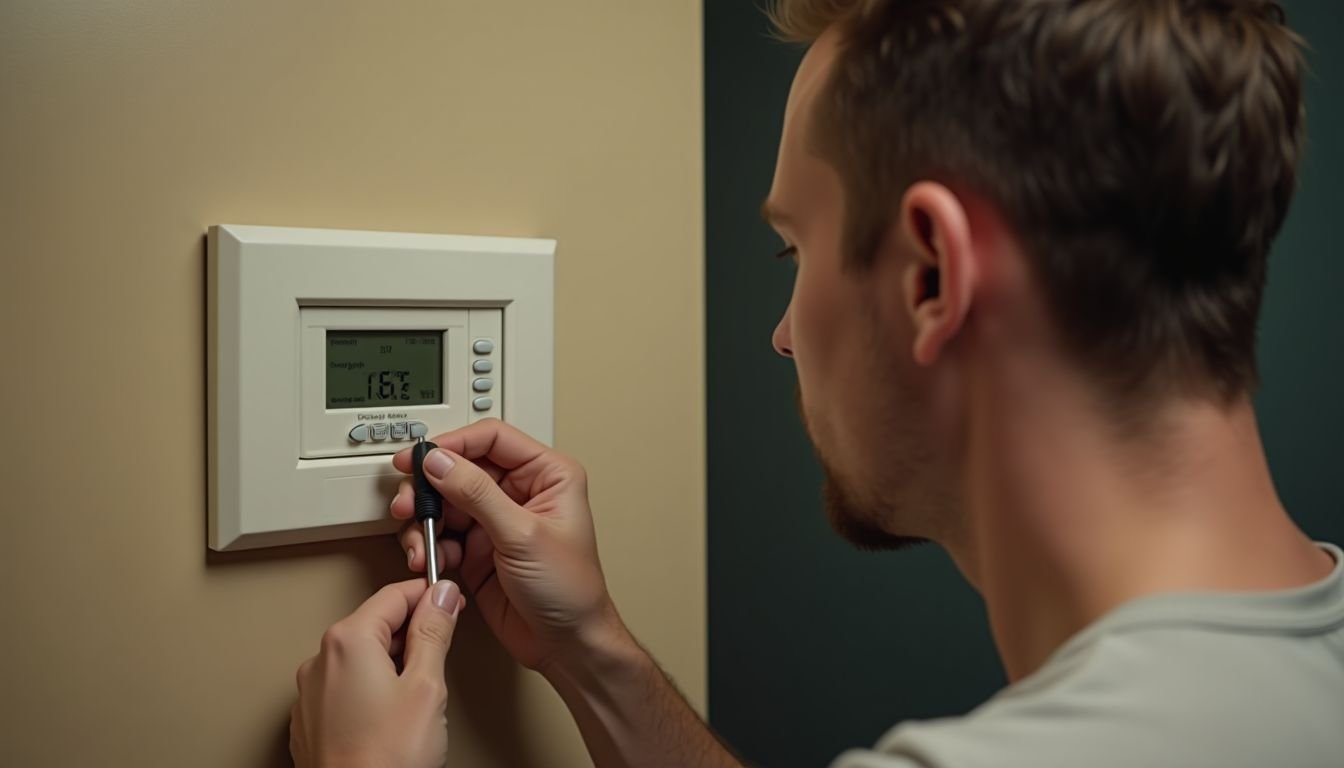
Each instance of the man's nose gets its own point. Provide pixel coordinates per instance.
(781, 338)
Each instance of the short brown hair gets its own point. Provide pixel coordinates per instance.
(1145, 151)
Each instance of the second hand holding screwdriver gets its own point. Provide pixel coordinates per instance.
(428, 507)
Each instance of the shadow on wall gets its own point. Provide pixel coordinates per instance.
(483, 681)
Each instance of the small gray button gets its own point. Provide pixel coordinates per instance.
(483, 346)
(482, 366)
(418, 429)
(360, 434)
(399, 430)
(483, 385)
(482, 403)
(379, 431)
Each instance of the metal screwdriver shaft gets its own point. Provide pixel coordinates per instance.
(428, 507)
(431, 553)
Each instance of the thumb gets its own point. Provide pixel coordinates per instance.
(470, 489)
(431, 630)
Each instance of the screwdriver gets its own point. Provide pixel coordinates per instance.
(428, 507)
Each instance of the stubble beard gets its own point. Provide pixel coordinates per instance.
(857, 516)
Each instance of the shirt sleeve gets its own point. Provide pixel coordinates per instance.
(866, 758)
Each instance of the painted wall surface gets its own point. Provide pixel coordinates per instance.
(128, 128)
(814, 647)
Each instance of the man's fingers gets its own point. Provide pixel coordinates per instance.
(478, 563)
(430, 633)
(301, 677)
(381, 615)
(403, 508)
(412, 539)
(455, 520)
(403, 504)
(469, 488)
(504, 445)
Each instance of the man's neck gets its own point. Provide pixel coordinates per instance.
(1067, 518)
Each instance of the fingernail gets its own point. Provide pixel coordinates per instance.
(410, 557)
(447, 596)
(437, 463)
(393, 505)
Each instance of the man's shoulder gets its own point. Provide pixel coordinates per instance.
(1162, 694)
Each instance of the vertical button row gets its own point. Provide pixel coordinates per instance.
(482, 385)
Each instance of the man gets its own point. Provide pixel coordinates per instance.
(1031, 240)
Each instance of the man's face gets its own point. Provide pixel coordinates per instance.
(862, 397)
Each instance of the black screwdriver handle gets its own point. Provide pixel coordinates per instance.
(428, 505)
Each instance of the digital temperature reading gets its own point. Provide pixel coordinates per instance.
(376, 369)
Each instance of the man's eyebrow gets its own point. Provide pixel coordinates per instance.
(773, 215)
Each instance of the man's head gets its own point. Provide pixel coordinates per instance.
(1136, 156)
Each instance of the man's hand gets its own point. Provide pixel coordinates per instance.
(354, 709)
(530, 556)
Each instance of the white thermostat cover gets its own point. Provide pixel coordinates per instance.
(283, 468)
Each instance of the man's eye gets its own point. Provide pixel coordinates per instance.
(788, 253)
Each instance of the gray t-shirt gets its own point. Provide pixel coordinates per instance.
(1225, 680)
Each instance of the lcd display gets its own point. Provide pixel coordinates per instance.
(377, 369)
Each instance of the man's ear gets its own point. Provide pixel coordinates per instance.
(940, 279)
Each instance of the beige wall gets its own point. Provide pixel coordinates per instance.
(126, 129)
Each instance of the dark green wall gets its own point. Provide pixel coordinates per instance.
(815, 647)
(1301, 402)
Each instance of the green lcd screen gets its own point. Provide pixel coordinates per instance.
(378, 369)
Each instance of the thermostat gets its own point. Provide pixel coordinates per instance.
(331, 350)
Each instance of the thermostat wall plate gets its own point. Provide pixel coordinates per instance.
(331, 350)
